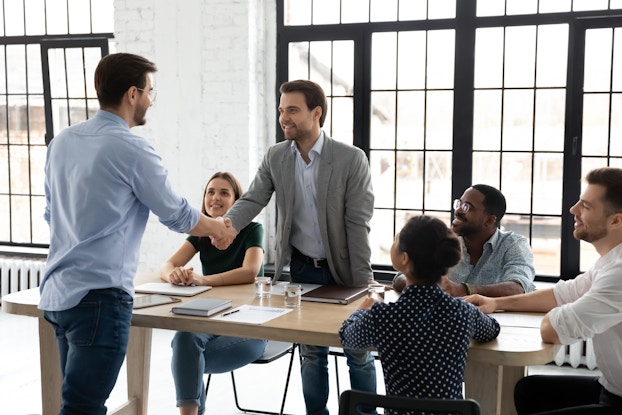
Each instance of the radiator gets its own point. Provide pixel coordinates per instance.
(577, 354)
(18, 274)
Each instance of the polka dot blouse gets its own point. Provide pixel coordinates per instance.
(422, 340)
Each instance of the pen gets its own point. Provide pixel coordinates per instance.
(230, 312)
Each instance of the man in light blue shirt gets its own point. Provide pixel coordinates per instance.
(494, 263)
(101, 181)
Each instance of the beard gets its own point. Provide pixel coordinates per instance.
(590, 235)
(140, 116)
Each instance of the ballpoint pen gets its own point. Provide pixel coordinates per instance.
(230, 312)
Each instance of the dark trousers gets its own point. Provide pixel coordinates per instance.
(564, 395)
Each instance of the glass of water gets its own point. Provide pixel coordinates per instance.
(262, 287)
(376, 290)
(292, 295)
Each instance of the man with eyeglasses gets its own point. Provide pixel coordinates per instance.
(494, 263)
(101, 182)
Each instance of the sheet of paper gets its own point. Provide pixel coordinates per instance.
(517, 320)
(251, 314)
(277, 289)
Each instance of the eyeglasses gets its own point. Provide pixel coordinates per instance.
(152, 93)
(464, 206)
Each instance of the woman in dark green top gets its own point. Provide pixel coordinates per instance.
(195, 353)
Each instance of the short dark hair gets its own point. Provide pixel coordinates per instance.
(432, 247)
(116, 73)
(314, 95)
(611, 179)
(494, 201)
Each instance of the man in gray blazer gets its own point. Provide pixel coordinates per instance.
(324, 203)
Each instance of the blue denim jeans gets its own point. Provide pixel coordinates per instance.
(314, 366)
(92, 339)
(195, 354)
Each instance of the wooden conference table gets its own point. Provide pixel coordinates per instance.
(492, 368)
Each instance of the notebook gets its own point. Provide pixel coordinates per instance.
(204, 307)
(336, 294)
(170, 289)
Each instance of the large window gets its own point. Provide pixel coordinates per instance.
(521, 95)
(46, 48)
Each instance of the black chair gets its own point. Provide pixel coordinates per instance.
(351, 400)
(274, 350)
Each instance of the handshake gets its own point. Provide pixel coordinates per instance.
(222, 233)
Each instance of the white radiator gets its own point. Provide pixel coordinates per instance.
(577, 354)
(20, 274)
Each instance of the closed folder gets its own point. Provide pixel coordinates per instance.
(336, 294)
(203, 307)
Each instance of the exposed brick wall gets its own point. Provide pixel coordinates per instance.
(215, 108)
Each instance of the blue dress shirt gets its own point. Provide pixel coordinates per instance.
(101, 181)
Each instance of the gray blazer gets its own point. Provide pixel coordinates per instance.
(345, 203)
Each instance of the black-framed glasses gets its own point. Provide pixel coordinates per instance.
(152, 93)
(464, 206)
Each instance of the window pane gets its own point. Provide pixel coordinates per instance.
(442, 9)
(79, 16)
(411, 60)
(410, 117)
(103, 15)
(554, 6)
(4, 137)
(552, 55)
(617, 60)
(343, 68)
(550, 118)
(40, 228)
(5, 218)
(518, 120)
(597, 74)
(20, 218)
(2, 67)
(18, 163)
(440, 71)
(58, 77)
(616, 125)
(36, 120)
(35, 76)
(35, 17)
(14, 18)
(522, 6)
(381, 236)
(595, 124)
(4, 169)
(548, 183)
(581, 5)
(383, 10)
(520, 55)
(75, 72)
(18, 119)
(321, 57)
(487, 120)
(298, 65)
(490, 8)
(382, 165)
(325, 12)
(354, 11)
(60, 115)
(413, 10)
(382, 126)
(546, 244)
(486, 168)
(439, 119)
(516, 181)
(37, 164)
(16, 76)
(409, 188)
(342, 122)
(92, 57)
(437, 180)
(57, 21)
(489, 57)
(384, 58)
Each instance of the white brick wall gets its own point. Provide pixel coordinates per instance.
(216, 103)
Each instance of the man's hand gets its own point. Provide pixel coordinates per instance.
(452, 288)
(487, 305)
(224, 233)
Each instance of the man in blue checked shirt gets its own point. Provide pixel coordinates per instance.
(494, 263)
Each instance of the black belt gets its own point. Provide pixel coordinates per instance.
(316, 263)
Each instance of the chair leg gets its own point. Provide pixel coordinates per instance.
(289, 372)
(337, 376)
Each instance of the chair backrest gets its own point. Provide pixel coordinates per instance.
(351, 402)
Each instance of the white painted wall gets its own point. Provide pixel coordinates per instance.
(216, 102)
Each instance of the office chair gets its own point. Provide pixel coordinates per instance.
(274, 350)
(351, 400)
